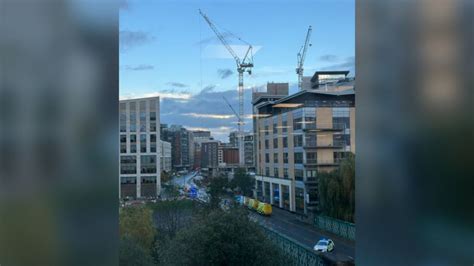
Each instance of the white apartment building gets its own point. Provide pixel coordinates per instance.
(165, 156)
(139, 137)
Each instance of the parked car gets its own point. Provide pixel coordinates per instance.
(324, 245)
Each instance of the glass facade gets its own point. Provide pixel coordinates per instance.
(128, 165)
(142, 143)
(299, 200)
(148, 164)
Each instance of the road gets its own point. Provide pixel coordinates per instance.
(187, 181)
(184, 179)
(288, 224)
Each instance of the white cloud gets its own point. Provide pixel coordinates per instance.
(212, 116)
(180, 96)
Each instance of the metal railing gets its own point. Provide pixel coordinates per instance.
(297, 253)
(335, 226)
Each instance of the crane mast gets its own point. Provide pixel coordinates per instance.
(300, 58)
(243, 65)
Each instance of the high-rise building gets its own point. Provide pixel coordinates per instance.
(249, 151)
(139, 148)
(165, 156)
(182, 152)
(234, 138)
(299, 136)
(210, 157)
(199, 137)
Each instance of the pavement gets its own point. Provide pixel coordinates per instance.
(290, 224)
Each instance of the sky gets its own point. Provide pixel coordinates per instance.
(168, 50)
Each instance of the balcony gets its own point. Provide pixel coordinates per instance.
(321, 163)
(315, 145)
(325, 128)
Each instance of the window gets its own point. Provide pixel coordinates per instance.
(148, 179)
(311, 157)
(148, 164)
(310, 122)
(285, 142)
(275, 128)
(128, 165)
(285, 172)
(266, 131)
(267, 157)
(142, 143)
(267, 171)
(133, 143)
(267, 144)
(311, 174)
(275, 157)
(284, 127)
(310, 140)
(299, 174)
(133, 117)
(142, 105)
(275, 143)
(298, 140)
(297, 123)
(128, 180)
(153, 143)
(339, 156)
(123, 117)
(341, 139)
(341, 122)
(123, 143)
(275, 172)
(299, 200)
(285, 157)
(298, 157)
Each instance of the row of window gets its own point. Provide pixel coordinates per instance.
(311, 157)
(133, 143)
(133, 126)
(128, 164)
(339, 139)
(133, 180)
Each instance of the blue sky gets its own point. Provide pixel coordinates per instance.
(167, 49)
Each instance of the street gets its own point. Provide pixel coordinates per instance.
(288, 224)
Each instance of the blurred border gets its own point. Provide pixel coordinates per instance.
(58, 132)
(414, 185)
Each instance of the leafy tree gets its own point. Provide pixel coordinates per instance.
(337, 191)
(132, 253)
(165, 177)
(222, 238)
(172, 215)
(243, 182)
(136, 223)
(217, 188)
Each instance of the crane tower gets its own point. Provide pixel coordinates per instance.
(244, 64)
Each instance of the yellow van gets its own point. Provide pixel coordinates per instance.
(266, 209)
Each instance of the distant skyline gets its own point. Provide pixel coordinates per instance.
(168, 50)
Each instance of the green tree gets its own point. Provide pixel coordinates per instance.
(136, 223)
(217, 188)
(222, 238)
(243, 182)
(132, 253)
(337, 191)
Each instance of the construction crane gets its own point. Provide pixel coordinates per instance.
(244, 64)
(232, 108)
(300, 58)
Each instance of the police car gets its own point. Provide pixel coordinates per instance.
(324, 245)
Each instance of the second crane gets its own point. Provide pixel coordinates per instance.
(244, 64)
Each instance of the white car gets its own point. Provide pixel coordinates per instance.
(324, 245)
